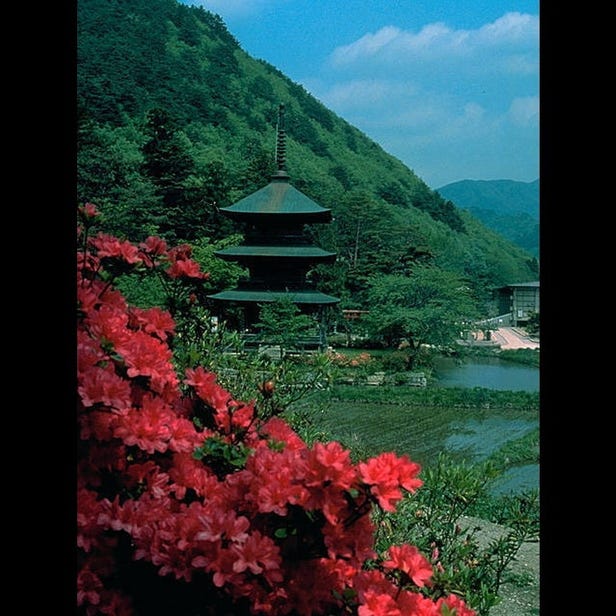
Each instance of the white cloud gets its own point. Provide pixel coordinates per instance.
(362, 92)
(508, 43)
(368, 45)
(510, 29)
(418, 115)
(524, 111)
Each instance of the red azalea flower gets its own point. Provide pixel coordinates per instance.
(89, 587)
(187, 472)
(217, 523)
(89, 508)
(373, 580)
(109, 246)
(273, 480)
(389, 466)
(153, 321)
(181, 252)
(456, 606)
(378, 605)
(258, 554)
(88, 211)
(408, 472)
(89, 353)
(145, 355)
(183, 435)
(146, 427)
(229, 413)
(416, 604)
(279, 431)
(385, 473)
(185, 269)
(355, 543)
(208, 389)
(311, 584)
(103, 386)
(330, 463)
(150, 475)
(97, 425)
(222, 567)
(242, 416)
(154, 246)
(408, 558)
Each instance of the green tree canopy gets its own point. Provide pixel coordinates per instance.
(372, 240)
(281, 322)
(431, 306)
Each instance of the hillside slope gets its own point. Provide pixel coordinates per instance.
(176, 121)
(508, 207)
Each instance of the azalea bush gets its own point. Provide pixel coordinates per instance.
(437, 521)
(342, 359)
(190, 501)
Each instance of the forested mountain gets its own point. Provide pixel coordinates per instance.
(508, 207)
(175, 120)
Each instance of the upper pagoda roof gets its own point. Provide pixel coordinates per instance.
(278, 198)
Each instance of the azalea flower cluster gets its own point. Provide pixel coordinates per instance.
(341, 359)
(191, 482)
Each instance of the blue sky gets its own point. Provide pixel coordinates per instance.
(449, 87)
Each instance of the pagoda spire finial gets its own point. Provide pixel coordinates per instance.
(280, 144)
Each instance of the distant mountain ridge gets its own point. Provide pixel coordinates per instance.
(508, 207)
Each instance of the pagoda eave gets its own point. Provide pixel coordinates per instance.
(306, 297)
(278, 218)
(296, 253)
(278, 198)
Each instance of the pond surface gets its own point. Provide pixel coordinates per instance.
(477, 439)
(480, 438)
(488, 372)
(515, 480)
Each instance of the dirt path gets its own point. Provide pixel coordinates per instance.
(517, 599)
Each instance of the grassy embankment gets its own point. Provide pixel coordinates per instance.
(418, 421)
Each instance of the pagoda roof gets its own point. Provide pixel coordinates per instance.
(296, 296)
(287, 252)
(278, 198)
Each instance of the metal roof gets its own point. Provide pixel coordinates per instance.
(278, 197)
(278, 252)
(297, 297)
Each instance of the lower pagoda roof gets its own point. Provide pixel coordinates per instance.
(284, 252)
(254, 295)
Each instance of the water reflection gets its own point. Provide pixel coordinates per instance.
(488, 372)
(515, 480)
(477, 439)
(480, 438)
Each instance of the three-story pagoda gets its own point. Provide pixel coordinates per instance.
(276, 250)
